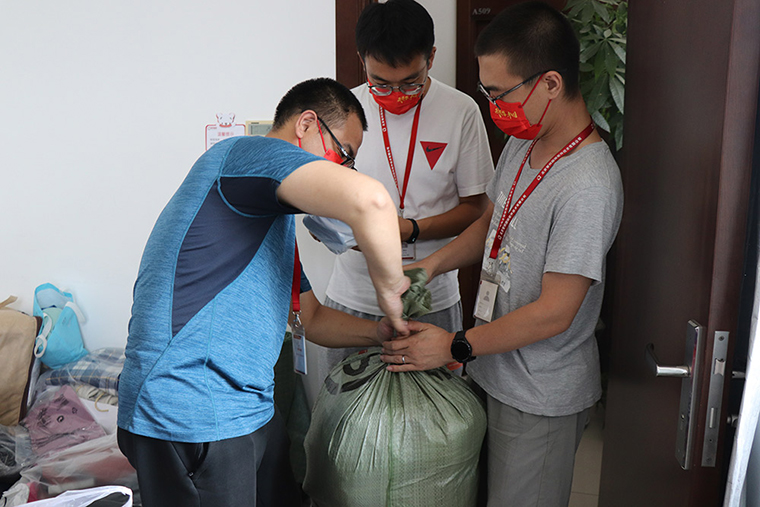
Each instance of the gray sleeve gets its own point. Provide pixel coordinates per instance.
(582, 232)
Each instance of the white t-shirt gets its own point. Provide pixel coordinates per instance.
(451, 160)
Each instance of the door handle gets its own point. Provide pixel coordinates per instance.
(665, 371)
(689, 374)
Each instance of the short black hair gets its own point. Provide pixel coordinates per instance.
(332, 102)
(395, 32)
(535, 37)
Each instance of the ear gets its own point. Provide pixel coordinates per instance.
(430, 60)
(554, 84)
(304, 122)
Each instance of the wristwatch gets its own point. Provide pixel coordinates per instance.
(461, 350)
(415, 231)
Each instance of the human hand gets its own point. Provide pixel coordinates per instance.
(390, 303)
(427, 347)
(425, 264)
(385, 330)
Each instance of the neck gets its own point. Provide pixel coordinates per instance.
(281, 134)
(566, 122)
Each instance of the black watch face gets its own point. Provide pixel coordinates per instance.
(460, 351)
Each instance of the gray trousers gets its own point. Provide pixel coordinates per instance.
(449, 319)
(531, 457)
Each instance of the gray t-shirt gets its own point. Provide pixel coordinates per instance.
(567, 225)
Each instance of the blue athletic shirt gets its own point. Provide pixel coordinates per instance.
(211, 298)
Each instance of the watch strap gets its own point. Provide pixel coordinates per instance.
(415, 231)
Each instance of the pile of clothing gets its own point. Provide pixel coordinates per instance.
(67, 440)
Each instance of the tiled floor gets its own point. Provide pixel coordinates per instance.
(588, 463)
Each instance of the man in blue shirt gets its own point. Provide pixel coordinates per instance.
(196, 415)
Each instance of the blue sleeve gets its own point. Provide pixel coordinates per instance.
(252, 173)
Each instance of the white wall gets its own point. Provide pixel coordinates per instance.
(104, 106)
(444, 13)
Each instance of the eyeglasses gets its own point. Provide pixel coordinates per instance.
(385, 90)
(348, 160)
(493, 100)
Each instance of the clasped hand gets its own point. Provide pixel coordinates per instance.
(424, 348)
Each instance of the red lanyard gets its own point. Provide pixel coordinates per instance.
(509, 214)
(296, 292)
(409, 157)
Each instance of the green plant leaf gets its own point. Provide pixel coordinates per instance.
(602, 11)
(618, 94)
(585, 67)
(598, 95)
(619, 51)
(600, 121)
(589, 53)
(618, 137)
(610, 61)
(587, 14)
(600, 62)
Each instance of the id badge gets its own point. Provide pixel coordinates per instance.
(299, 345)
(408, 251)
(486, 300)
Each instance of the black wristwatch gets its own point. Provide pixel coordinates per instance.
(415, 231)
(461, 350)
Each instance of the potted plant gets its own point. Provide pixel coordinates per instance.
(601, 27)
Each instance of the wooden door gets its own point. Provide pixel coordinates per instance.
(691, 103)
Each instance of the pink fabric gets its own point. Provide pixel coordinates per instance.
(60, 422)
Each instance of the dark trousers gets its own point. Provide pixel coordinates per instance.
(248, 471)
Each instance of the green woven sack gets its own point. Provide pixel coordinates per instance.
(393, 439)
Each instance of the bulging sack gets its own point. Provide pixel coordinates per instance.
(393, 439)
(60, 340)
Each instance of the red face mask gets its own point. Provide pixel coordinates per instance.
(510, 117)
(330, 154)
(397, 102)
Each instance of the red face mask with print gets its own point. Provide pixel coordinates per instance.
(397, 102)
(510, 117)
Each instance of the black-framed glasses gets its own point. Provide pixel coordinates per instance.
(493, 100)
(406, 89)
(348, 160)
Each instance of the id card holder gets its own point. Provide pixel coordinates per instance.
(408, 251)
(486, 300)
(299, 344)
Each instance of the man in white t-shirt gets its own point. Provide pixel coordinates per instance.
(426, 142)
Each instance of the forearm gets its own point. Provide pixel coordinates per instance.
(326, 189)
(375, 227)
(332, 328)
(448, 224)
(551, 314)
(526, 325)
(465, 250)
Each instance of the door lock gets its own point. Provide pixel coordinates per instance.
(689, 374)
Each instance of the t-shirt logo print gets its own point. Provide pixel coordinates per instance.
(433, 151)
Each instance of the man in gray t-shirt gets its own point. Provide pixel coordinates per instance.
(556, 204)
